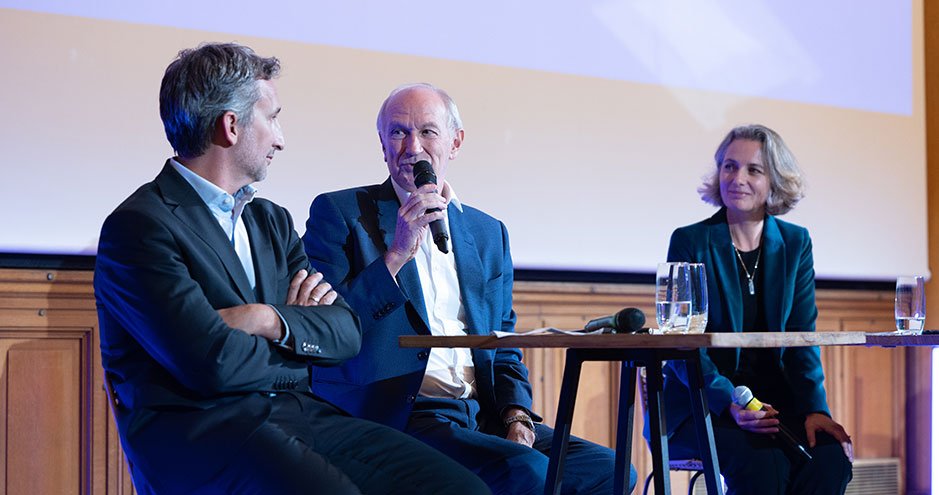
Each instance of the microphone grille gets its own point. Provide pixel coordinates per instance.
(629, 320)
(424, 173)
(742, 395)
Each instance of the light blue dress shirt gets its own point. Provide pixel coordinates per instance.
(227, 210)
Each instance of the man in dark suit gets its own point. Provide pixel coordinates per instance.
(372, 243)
(211, 315)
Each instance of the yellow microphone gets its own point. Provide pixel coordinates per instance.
(753, 404)
(744, 398)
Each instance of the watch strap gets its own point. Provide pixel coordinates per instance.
(523, 419)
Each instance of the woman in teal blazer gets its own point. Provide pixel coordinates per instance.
(760, 279)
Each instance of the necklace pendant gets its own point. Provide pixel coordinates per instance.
(752, 290)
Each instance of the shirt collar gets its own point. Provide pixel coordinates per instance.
(214, 196)
(448, 194)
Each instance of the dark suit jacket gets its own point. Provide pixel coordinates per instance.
(347, 234)
(788, 298)
(191, 388)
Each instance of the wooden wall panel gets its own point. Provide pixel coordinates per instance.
(919, 381)
(58, 435)
(875, 382)
(41, 378)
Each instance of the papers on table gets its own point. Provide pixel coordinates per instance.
(547, 330)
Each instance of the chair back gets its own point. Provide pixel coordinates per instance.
(115, 404)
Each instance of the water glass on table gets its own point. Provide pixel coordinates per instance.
(673, 297)
(910, 305)
(699, 298)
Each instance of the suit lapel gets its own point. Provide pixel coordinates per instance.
(725, 267)
(408, 279)
(774, 260)
(469, 271)
(186, 204)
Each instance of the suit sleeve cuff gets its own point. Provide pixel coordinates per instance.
(286, 338)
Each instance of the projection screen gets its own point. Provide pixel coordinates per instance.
(589, 125)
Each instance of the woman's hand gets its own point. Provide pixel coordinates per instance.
(819, 422)
(762, 421)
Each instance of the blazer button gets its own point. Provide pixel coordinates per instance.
(308, 347)
(411, 398)
(422, 355)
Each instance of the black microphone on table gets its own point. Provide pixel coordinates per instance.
(744, 398)
(424, 174)
(627, 320)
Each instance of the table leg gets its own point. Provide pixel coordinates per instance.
(562, 425)
(624, 428)
(658, 441)
(702, 420)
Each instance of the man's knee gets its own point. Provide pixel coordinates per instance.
(519, 474)
(263, 467)
(589, 468)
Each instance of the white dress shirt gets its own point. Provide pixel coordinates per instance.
(450, 372)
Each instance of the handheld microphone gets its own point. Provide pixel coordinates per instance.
(628, 320)
(424, 174)
(744, 398)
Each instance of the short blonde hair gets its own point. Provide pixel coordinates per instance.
(785, 178)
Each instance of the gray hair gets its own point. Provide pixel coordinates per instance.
(453, 113)
(205, 82)
(785, 177)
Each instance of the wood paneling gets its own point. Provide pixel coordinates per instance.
(919, 381)
(42, 381)
(59, 435)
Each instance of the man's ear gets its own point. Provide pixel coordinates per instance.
(456, 144)
(227, 130)
(383, 149)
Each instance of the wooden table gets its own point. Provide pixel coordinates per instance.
(889, 339)
(635, 351)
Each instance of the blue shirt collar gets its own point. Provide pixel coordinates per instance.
(215, 197)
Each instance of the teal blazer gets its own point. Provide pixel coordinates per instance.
(789, 302)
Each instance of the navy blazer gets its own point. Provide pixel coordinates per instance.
(789, 301)
(347, 235)
(190, 389)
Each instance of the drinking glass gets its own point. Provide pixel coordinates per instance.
(910, 305)
(672, 297)
(699, 298)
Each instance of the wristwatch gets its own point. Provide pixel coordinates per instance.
(523, 419)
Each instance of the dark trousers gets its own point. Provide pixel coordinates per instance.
(477, 441)
(310, 447)
(753, 463)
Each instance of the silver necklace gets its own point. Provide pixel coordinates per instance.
(755, 266)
